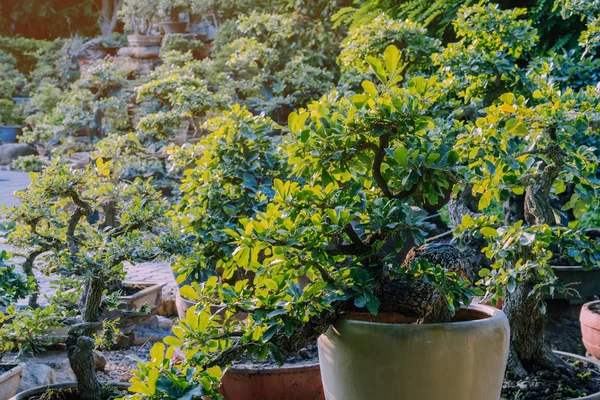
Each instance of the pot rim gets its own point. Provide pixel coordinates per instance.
(150, 287)
(493, 315)
(573, 268)
(587, 316)
(593, 396)
(291, 368)
(16, 368)
(63, 385)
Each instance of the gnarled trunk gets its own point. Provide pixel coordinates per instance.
(528, 349)
(80, 353)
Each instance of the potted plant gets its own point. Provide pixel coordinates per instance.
(55, 222)
(139, 16)
(230, 177)
(11, 120)
(530, 147)
(363, 169)
(171, 11)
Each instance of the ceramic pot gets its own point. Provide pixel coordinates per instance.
(460, 360)
(8, 134)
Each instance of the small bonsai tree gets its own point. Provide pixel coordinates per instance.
(170, 9)
(139, 16)
(55, 222)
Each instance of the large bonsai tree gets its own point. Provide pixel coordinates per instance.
(365, 167)
(84, 224)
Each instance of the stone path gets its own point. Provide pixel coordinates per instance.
(11, 181)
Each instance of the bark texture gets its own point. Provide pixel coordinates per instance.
(528, 349)
(80, 353)
(538, 210)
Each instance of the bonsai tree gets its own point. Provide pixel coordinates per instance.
(94, 106)
(55, 222)
(170, 9)
(529, 147)
(229, 177)
(364, 167)
(10, 113)
(139, 15)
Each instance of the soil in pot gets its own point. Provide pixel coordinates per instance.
(549, 385)
(109, 392)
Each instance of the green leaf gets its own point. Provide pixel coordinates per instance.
(370, 88)
(489, 232)
(189, 292)
(401, 155)
(483, 272)
(392, 58)
(269, 333)
(377, 68)
(360, 301)
(507, 98)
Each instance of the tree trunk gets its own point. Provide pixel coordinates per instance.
(464, 203)
(28, 270)
(80, 353)
(110, 214)
(528, 350)
(108, 16)
(92, 300)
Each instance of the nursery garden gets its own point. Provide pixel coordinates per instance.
(299, 199)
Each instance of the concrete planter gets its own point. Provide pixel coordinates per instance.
(27, 394)
(586, 282)
(594, 396)
(10, 379)
(463, 360)
(144, 40)
(302, 382)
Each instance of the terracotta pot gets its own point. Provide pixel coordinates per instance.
(585, 281)
(594, 396)
(462, 360)
(173, 27)
(182, 305)
(143, 40)
(590, 329)
(42, 389)
(10, 379)
(286, 383)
